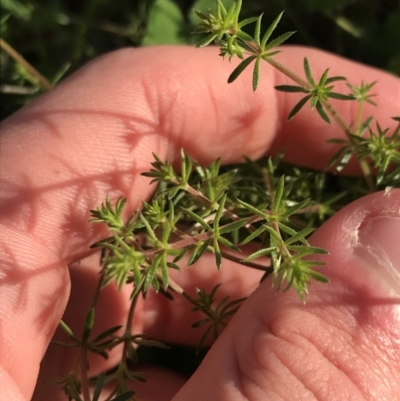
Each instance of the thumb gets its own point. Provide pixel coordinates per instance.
(344, 343)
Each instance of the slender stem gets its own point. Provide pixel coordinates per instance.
(98, 291)
(130, 313)
(19, 59)
(236, 259)
(84, 377)
(289, 73)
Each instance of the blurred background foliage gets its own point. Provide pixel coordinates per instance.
(58, 36)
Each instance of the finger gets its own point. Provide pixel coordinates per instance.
(344, 343)
(93, 135)
(96, 132)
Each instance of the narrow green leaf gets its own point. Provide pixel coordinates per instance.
(314, 101)
(253, 209)
(88, 325)
(232, 226)
(278, 195)
(164, 270)
(207, 40)
(270, 29)
(298, 107)
(228, 243)
(256, 73)
(340, 96)
(217, 251)
(307, 71)
(184, 160)
(174, 266)
(219, 213)
(138, 286)
(150, 231)
(106, 333)
(276, 262)
(198, 251)
(323, 78)
(259, 253)
(231, 12)
(291, 88)
(230, 305)
(155, 284)
(99, 386)
(66, 328)
(214, 291)
(295, 208)
(334, 79)
(197, 218)
(200, 344)
(337, 140)
(221, 8)
(279, 40)
(247, 21)
(266, 56)
(337, 197)
(287, 229)
(152, 271)
(201, 322)
(244, 37)
(200, 14)
(307, 250)
(365, 125)
(334, 159)
(318, 276)
(299, 236)
(238, 7)
(253, 235)
(240, 68)
(274, 236)
(344, 160)
(322, 112)
(257, 30)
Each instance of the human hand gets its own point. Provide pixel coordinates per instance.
(94, 134)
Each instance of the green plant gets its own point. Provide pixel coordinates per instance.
(216, 210)
(197, 210)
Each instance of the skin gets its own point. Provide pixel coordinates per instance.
(94, 134)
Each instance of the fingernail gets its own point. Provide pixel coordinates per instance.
(379, 246)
